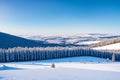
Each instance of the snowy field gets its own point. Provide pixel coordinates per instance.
(109, 47)
(75, 68)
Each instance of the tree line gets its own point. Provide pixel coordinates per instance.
(39, 53)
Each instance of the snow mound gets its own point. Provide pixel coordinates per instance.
(4, 67)
(1, 66)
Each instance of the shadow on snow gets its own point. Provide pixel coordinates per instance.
(9, 68)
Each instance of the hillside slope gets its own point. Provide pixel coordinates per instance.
(115, 46)
(7, 40)
(106, 42)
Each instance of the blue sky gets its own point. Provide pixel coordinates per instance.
(59, 17)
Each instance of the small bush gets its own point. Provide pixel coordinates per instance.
(53, 65)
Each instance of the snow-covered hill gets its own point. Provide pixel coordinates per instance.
(75, 68)
(115, 46)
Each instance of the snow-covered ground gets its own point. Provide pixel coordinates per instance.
(87, 42)
(109, 47)
(75, 68)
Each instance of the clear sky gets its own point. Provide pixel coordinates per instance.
(59, 17)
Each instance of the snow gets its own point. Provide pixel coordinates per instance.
(74, 68)
(59, 74)
(109, 47)
(72, 40)
(87, 42)
(57, 41)
(78, 39)
(1, 66)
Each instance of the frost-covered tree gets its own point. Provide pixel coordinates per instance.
(113, 57)
(41, 53)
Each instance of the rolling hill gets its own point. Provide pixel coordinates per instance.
(77, 39)
(9, 41)
(93, 40)
(107, 42)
